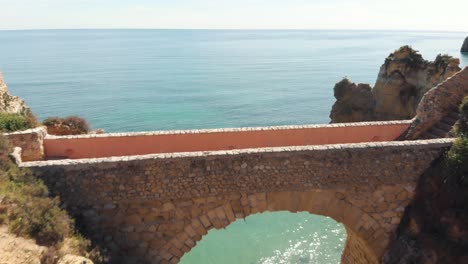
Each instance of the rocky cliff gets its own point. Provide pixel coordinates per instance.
(18, 250)
(464, 47)
(9, 103)
(401, 83)
(434, 227)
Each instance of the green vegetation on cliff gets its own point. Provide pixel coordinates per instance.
(457, 156)
(14, 122)
(462, 125)
(408, 55)
(28, 211)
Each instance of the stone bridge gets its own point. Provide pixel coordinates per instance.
(149, 197)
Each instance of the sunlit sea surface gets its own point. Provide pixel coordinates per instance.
(273, 238)
(135, 80)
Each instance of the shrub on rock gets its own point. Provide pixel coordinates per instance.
(462, 125)
(71, 125)
(16, 122)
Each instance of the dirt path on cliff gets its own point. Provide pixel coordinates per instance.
(18, 250)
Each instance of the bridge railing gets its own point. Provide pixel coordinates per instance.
(143, 143)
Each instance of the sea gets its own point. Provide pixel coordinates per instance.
(144, 80)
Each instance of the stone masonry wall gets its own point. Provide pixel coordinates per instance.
(356, 250)
(154, 208)
(30, 141)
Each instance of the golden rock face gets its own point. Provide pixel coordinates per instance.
(402, 81)
(2, 82)
(9, 103)
(405, 78)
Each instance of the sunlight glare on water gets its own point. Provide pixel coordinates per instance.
(272, 238)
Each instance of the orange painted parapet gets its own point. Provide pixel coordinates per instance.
(128, 144)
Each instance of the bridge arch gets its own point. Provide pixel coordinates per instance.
(154, 208)
(365, 243)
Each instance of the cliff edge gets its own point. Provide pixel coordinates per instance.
(434, 226)
(9, 103)
(402, 81)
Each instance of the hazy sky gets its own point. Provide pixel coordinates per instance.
(450, 15)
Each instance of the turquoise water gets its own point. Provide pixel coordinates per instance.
(134, 80)
(272, 238)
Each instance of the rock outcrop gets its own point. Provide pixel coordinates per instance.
(9, 103)
(434, 227)
(401, 83)
(354, 102)
(464, 47)
(18, 250)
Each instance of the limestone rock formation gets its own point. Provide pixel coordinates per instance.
(9, 103)
(401, 83)
(464, 47)
(354, 103)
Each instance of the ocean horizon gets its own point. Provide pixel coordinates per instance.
(144, 80)
(241, 29)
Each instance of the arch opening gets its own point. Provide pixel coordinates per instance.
(272, 237)
(365, 240)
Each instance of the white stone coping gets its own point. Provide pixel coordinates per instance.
(16, 155)
(230, 130)
(41, 129)
(416, 144)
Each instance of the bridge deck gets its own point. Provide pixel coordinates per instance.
(142, 143)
